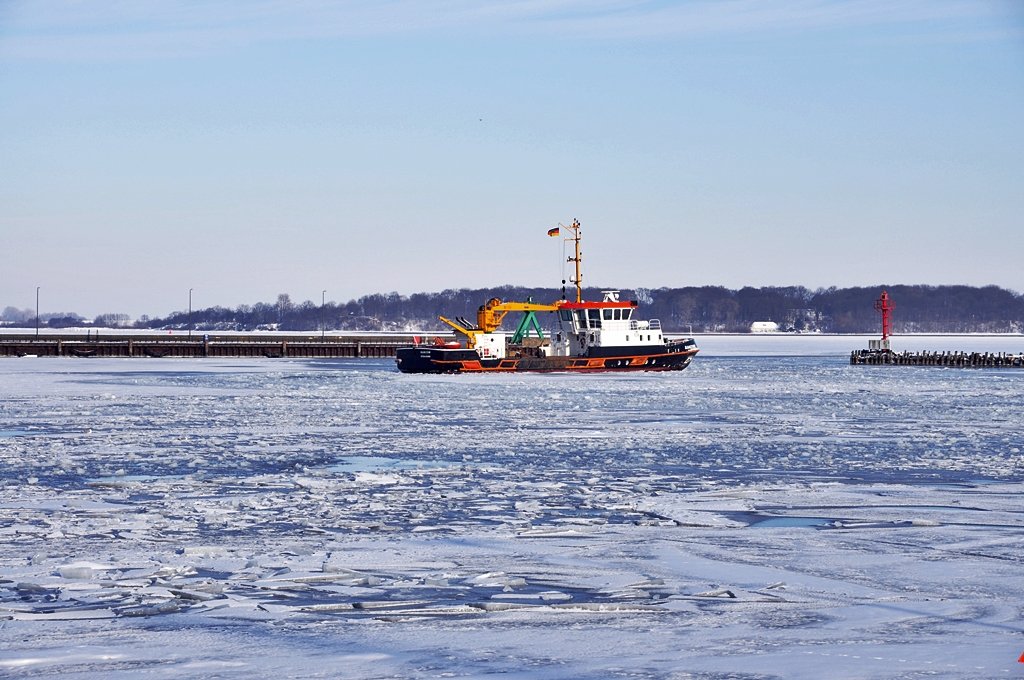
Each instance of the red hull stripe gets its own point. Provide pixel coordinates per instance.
(582, 365)
(597, 305)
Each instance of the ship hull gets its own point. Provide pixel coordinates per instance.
(673, 356)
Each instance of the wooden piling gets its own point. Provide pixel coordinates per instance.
(946, 359)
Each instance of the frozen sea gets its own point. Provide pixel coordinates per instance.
(770, 512)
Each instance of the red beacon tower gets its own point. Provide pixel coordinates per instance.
(884, 305)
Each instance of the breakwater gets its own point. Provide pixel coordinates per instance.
(949, 359)
(153, 345)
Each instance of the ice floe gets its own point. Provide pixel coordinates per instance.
(750, 517)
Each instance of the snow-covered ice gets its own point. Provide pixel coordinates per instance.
(773, 516)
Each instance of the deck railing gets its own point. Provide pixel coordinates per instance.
(650, 325)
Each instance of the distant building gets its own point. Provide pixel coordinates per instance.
(764, 327)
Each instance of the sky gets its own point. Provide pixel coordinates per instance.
(247, 149)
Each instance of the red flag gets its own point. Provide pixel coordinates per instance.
(553, 232)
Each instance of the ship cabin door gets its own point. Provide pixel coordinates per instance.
(572, 321)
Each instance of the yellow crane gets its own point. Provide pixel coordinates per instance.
(490, 315)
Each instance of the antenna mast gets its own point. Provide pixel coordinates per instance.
(578, 281)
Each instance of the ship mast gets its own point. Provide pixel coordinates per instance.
(578, 281)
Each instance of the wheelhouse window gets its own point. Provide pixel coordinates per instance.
(595, 317)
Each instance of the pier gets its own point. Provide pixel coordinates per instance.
(153, 345)
(879, 352)
(871, 357)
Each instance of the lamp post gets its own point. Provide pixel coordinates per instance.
(37, 312)
(323, 300)
(190, 312)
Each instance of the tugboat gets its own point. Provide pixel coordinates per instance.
(590, 337)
